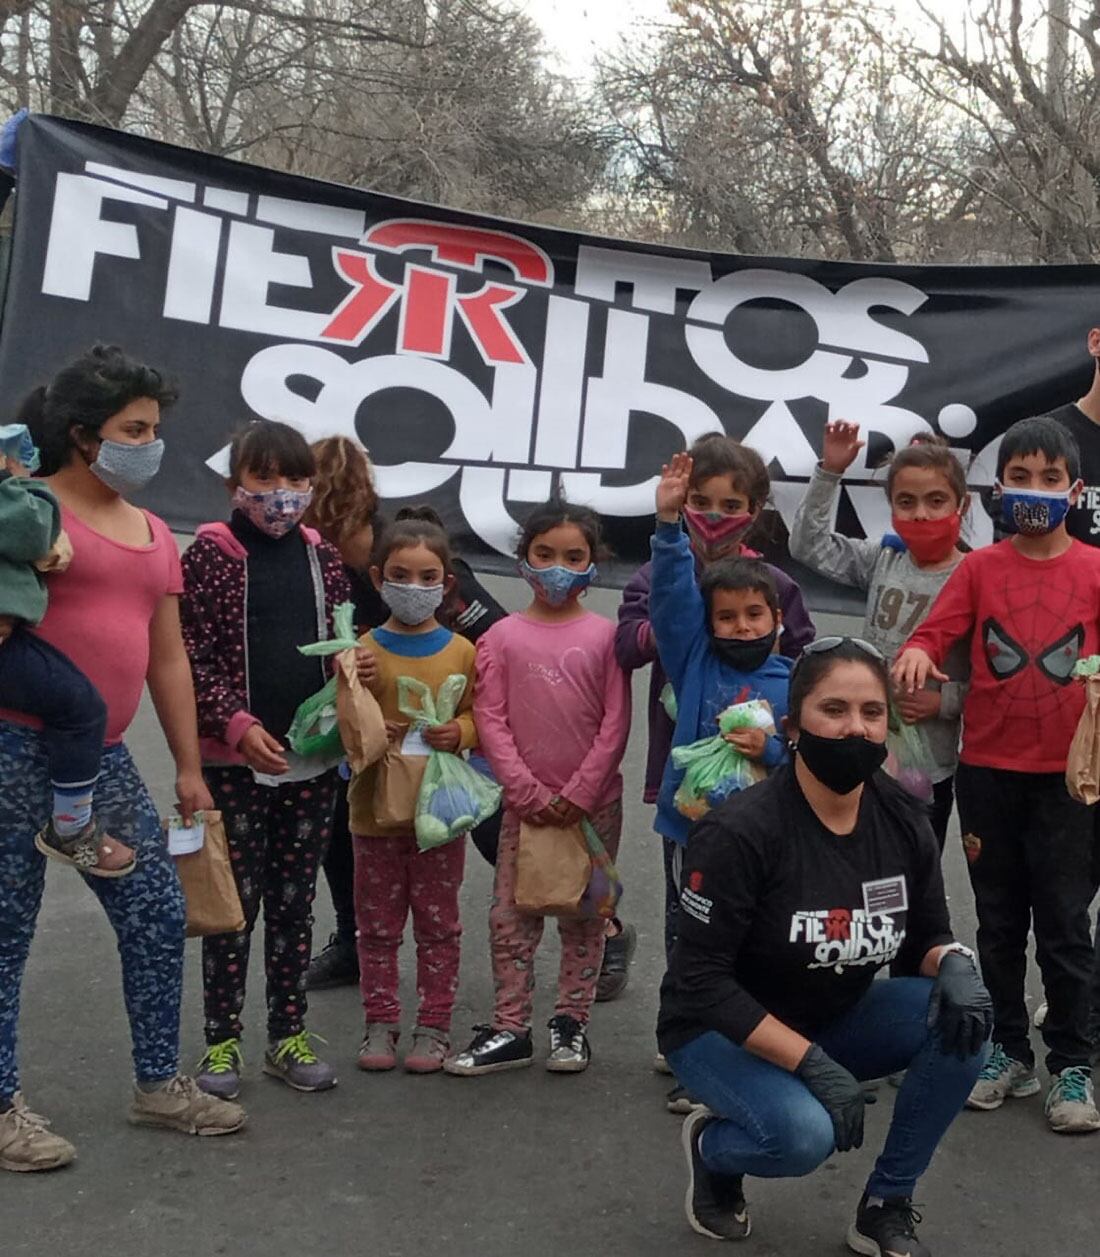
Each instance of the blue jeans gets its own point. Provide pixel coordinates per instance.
(773, 1127)
(145, 909)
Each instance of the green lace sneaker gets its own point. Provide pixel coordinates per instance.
(219, 1071)
(1071, 1107)
(293, 1061)
(1002, 1078)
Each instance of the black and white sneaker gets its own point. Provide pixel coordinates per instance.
(714, 1203)
(681, 1102)
(569, 1050)
(886, 1228)
(490, 1052)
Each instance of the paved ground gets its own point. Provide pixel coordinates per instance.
(395, 1166)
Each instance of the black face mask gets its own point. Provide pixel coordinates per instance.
(841, 764)
(744, 654)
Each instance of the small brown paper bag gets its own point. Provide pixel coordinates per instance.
(552, 869)
(398, 784)
(360, 720)
(1083, 761)
(213, 904)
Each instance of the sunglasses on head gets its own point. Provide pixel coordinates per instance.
(822, 646)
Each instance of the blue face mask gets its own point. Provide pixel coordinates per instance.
(557, 585)
(1032, 513)
(16, 443)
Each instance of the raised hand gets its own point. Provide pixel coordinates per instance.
(672, 489)
(840, 445)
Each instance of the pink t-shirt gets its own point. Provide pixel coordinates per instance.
(552, 708)
(101, 607)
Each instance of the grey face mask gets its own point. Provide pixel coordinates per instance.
(127, 468)
(411, 604)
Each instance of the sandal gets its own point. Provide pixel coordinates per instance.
(91, 850)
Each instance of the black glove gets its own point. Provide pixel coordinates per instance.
(960, 1007)
(840, 1094)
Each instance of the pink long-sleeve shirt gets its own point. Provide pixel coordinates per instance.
(552, 708)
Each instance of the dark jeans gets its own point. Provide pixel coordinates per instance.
(773, 1127)
(1029, 847)
(38, 680)
(939, 810)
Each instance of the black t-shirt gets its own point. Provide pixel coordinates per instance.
(779, 915)
(474, 609)
(1083, 521)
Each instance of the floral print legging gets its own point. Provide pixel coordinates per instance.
(277, 837)
(145, 909)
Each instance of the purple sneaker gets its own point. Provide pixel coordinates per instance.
(219, 1071)
(295, 1062)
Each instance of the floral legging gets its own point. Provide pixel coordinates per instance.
(277, 837)
(145, 909)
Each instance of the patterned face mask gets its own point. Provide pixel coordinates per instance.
(412, 604)
(1031, 512)
(556, 585)
(275, 511)
(127, 468)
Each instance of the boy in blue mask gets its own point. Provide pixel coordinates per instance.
(1030, 606)
(38, 679)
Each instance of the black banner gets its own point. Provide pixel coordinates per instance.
(483, 362)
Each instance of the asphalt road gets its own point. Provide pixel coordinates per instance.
(526, 1162)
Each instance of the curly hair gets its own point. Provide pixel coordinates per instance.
(344, 496)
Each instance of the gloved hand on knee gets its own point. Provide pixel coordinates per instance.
(960, 1007)
(838, 1092)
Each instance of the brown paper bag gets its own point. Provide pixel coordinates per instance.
(362, 725)
(398, 784)
(213, 904)
(552, 869)
(1083, 761)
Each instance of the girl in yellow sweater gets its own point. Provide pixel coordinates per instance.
(412, 572)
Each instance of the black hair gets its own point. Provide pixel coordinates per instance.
(270, 448)
(1040, 435)
(739, 574)
(558, 511)
(424, 512)
(813, 668)
(83, 395)
(932, 453)
(717, 454)
(411, 531)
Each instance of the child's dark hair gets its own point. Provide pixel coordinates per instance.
(1040, 435)
(748, 574)
(424, 512)
(929, 452)
(84, 395)
(716, 454)
(556, 512)
(811, 669)
(270, 448)
(408, 531)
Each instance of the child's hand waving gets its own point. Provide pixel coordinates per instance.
(672, 489)
(840, 445)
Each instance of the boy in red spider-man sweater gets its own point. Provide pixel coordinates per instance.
(1031, 605)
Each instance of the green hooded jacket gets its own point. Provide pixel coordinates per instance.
(30, 519)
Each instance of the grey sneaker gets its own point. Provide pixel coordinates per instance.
(219, 1071)
(26, 1143)
(1071, 1105)
(378, 1051)
(182, 1105)
(430, 1048)
(569, 1051)
(292, 1060)
(1002, 1078)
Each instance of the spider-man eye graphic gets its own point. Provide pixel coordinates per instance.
(1005, 657)
(1057, 661)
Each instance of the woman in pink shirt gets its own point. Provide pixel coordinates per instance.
(552, 708)
(115, 613)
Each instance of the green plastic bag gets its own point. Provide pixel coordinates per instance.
(713, 769)
(314, 732)
(453, 797)
(909, 760)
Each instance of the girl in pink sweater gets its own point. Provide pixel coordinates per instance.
(552, 708)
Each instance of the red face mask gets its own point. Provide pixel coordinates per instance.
(714, 535)
(929, 540)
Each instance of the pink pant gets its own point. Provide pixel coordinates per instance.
(514, 936)
(392, 876)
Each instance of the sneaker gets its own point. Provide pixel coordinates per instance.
(1002, 1078)
(336, 964)
(219, 1071)
(714, 1203)
(490, 1052)
(293, 1061)
(378, 1051)
(181, 1105)
(886, 1228)
(660, 1065)
(1071, 1105)
(1040, 1018)
(26, 1144)
(618, 952)
(569, 1050)
(680, 1102)
(429, 1050)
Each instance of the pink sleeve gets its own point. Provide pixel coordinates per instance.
(522, 792)
(587, 785)
(163, 533)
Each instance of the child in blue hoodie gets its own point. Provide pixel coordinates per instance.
(717, 640)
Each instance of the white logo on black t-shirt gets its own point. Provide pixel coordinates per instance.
(844, 937)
